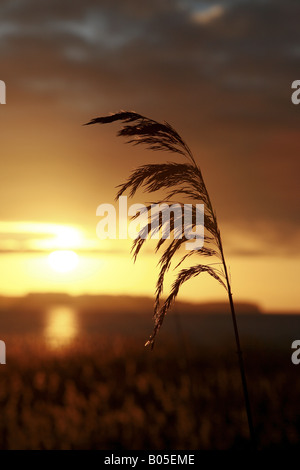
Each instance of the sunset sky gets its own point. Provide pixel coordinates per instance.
(219, 72)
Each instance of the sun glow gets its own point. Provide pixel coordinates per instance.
(61, 328)
(63, 261)
(27, 236)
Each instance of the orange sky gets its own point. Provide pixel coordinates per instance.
(220, 73)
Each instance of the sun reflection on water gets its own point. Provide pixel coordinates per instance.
(61, 327)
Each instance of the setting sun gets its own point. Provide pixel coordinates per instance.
(63, 261)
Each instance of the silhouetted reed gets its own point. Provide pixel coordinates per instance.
(177, 179)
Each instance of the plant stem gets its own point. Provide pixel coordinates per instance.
(240, 354)
(233, 316)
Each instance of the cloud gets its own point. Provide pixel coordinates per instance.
(219, 72)
(208, 14)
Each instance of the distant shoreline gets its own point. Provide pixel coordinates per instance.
(126, 303)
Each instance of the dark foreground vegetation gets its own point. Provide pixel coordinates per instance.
(109, 392)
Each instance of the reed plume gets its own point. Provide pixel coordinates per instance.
(177, 179)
